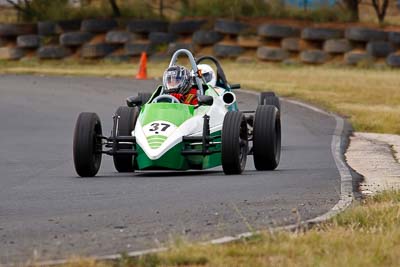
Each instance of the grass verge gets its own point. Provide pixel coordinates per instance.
(368, 97)
(367, 234)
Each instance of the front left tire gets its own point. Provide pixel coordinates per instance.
(126, 124)
(234, 143)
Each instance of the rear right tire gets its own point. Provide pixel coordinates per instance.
(269, 98)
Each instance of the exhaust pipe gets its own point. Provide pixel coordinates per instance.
(229, 98)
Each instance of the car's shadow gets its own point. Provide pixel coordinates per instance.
(191, 173)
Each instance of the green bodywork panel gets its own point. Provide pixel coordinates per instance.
(173, 159)
(171, 112)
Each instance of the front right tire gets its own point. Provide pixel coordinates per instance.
(87, 144)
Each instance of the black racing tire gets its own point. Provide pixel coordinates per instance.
(321, 34)
(186, 26)
(234, 143)
(229, 51)
(86, 142)
(314, 56)
(393, 60)
(394, 37)
(120, 37)
(98, 25)
(136, 49)
(360, 34)
(337, 46)
(16, 29)
(47, 28)
(162, 37)
(75, 38)
(380, 48)
(272, 53)
(269, 98)
(203, 37)
(278, 31)
(28, 41)
(229, 26)
(126, 124)
(147, 26)
(53, 52)
(266, 138)
(97, 50)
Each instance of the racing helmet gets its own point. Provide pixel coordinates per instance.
(177, 79)
(208, 74)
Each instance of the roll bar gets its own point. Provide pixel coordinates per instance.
(194, 67)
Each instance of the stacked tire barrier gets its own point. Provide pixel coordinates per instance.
(115, 40)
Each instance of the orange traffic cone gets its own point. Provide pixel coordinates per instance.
(142, 74)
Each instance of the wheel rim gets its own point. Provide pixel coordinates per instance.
(97, 146)
(243, 145)
(277, 140)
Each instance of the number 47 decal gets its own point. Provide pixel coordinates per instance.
(156, 126)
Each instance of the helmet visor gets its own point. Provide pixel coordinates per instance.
(174, 78)
(207, 76)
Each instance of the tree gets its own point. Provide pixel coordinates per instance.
(380, 7)
(352, 7)
(23, 8)
(115, 8)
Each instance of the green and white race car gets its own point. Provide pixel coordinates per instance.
(158, 132)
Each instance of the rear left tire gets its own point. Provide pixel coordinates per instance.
(234, 143)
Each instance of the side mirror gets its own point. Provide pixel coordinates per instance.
(134, 101)
(235, 86)
(205, 100)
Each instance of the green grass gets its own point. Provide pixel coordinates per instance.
(368, 97)
(367, 234)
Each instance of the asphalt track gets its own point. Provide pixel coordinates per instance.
(47, 212)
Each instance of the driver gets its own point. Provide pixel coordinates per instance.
(208, 74)
(178, 83)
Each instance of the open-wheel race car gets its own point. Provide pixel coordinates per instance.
(158, 132)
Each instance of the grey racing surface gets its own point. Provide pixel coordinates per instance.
(47, 212)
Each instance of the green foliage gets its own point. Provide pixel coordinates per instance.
(260, 8)
(225, 8)
(41, 10)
